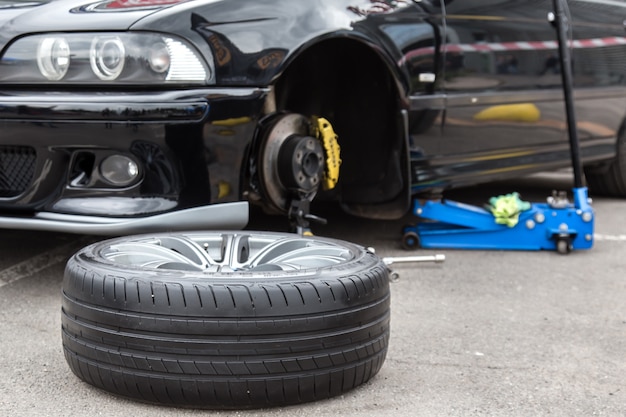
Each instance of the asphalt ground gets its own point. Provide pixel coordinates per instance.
(485, 333)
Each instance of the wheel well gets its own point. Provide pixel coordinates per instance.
(347, 83)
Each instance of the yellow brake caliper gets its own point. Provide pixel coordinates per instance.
(328, 137)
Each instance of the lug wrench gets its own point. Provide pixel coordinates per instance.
(389, 260)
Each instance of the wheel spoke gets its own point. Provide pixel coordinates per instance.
(142, 255)
(300, 254)
(161, 252)
(235, 250)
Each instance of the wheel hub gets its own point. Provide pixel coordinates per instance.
(301, 164)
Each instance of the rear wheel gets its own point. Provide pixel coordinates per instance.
(410, 239)
(225, 320)
(610, 179)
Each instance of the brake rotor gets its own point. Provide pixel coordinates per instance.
(291, 161)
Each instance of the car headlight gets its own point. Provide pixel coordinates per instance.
(119, 58)
(107, 57)
(53, 58)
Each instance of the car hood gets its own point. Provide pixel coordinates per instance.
(19, 17)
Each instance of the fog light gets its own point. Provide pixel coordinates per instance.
(53, 58)
(107, 57)
(119, 170)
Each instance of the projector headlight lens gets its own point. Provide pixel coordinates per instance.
(53, 57)
(107, 57)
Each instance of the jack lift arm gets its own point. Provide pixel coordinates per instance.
(557, 225)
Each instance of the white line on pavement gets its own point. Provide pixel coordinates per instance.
(39, 262)
(615, 238)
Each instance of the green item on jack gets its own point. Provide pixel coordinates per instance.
(507, 208)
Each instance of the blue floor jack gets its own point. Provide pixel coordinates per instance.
(556, 225)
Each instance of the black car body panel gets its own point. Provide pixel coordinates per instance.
(509, 56)
(423, 97)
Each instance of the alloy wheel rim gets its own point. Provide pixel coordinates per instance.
(227, 252)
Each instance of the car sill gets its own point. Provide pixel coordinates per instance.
(233, 216)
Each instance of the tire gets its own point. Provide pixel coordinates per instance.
(610, 180)
(225, 320)
(410, 239)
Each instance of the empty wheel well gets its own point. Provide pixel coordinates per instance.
(347, 83)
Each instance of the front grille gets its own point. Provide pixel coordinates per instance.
(17, 167)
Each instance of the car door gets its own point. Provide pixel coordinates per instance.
(504, 99)
(504, 106)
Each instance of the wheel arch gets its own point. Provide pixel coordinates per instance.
(354, 85)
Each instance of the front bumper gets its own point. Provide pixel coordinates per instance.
(190, 146)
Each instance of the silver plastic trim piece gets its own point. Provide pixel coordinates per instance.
(233, 216)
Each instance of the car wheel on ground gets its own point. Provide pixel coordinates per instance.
(610, 178)
(225, 319)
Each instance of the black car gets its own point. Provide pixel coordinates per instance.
(120, 116)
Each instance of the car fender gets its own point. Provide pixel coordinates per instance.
(252, 43)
